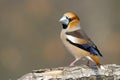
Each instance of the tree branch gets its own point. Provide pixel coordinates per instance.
(111, 72)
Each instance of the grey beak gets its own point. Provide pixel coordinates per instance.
(64, 20)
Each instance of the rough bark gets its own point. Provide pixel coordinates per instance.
(111, 72)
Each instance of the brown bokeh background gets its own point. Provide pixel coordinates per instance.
(29, 33)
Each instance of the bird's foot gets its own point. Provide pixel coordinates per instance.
(88, 63)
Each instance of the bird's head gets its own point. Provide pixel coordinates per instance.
(70, 21)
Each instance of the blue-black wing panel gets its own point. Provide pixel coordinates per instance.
(87, 47)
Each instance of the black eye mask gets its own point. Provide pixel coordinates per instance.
(64, 26)
(70, 19)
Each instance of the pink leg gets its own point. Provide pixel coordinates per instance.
(88, 63)
(72, 64)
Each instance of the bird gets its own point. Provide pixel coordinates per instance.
(77, 41)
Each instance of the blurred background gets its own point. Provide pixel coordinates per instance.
(29, 33)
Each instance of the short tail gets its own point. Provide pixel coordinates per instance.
(97, 61)
(102, 67)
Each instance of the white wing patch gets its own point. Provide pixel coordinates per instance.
(72, 39)
(90, 58)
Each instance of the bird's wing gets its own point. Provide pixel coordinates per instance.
(80, 34)
(81, 40)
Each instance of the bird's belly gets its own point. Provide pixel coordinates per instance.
(75, 51)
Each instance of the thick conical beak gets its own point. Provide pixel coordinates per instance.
(64, 20)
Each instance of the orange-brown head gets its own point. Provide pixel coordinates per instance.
(70, 21)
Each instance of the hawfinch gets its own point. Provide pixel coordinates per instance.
(76, 41)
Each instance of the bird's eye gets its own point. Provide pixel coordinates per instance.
(70, 19)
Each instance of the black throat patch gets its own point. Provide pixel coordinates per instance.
(64, 26)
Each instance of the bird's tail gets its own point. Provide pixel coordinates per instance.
(100, 66)
(97, 61)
